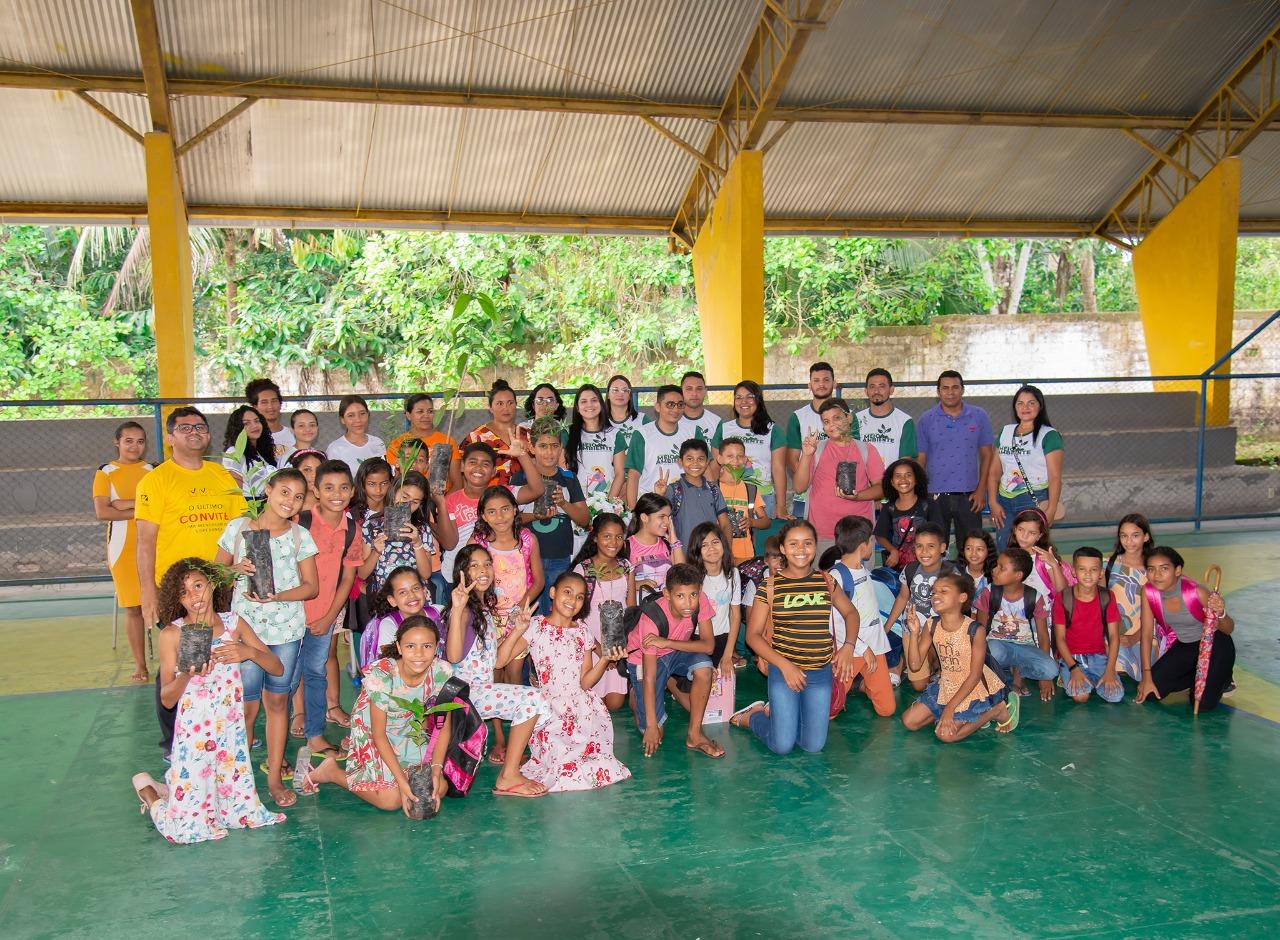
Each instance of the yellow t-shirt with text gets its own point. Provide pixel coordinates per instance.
(190, 509)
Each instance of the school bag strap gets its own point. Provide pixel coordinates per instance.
(1029, 597)
(306, 519)
(1068, 602)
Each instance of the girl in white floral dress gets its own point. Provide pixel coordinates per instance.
(473, 647)
(209, 787)
(574, 750)
(609, 577)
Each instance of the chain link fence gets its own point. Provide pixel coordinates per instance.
(1139, 444)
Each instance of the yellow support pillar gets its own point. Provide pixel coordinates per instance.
(1185, 273)
(728, 274)
(171, 289)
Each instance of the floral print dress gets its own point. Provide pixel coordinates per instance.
(211, 786)
(615, 590)
(366, 770)
(513, 703)
(573, 750)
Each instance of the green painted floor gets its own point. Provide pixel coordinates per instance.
(1093, 820)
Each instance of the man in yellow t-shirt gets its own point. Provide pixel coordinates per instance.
(182, 506)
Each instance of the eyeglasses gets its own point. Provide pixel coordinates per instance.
(190, 428)
(671, 403)
(747, 397)
(545, 400)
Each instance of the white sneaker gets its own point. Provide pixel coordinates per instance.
(895, 680)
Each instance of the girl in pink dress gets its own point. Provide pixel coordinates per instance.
(573, 750)
(603, 565)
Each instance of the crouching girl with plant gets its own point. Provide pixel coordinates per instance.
(209, 786)
(384, 746)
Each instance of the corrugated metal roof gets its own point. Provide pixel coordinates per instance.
(1067, 56)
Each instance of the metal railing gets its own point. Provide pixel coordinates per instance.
(1129, 448)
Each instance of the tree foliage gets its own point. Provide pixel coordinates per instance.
(379, 306)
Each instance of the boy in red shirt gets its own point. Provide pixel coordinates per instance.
(654, 658)
(1086, 632)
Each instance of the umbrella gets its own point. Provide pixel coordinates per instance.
(1211, 576)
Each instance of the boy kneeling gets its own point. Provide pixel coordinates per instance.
(663, 645)
(1086, 632)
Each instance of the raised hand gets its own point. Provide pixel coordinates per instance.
(461, 591)
(660, 484)
(809, 445)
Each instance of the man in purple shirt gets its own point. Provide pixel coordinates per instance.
(955, 443)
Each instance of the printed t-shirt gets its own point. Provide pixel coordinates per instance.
(826, 508)
(920, 586)
(898, 526)
(625, 429)
(120, 481)
(330, 560)
(1033, 454)
(676, 629)
(1010, 621)
(510, 579)
(702, 427)
(759, 447)
(283, 442)
(355, 454)
(858, 587)
(651, 562)
(554, 535)
(190, 509)
(595, 459)
(735, 500)
(275, 622)
(952, 445)
(1086, 633)
(463, 513)
(429, 440)
(395, 553)
(652, 451)
(893, 436)
(725, 592)
(802, 620)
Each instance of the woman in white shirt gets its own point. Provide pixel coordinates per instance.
(356, 445)
(1028, 474)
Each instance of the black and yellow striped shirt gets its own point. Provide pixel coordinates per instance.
(802, 620)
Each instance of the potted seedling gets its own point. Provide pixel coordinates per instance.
(463, 338)
(419, 775)
(257, 542)
(612, 632)
(397, 515)
(541, 427)
(847, 477)
(747, 475)
(195, 640)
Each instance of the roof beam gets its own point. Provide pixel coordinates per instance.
(200, 136)
(1217, 132)
(152, 59)
(427, 98)
(771, 55)
(119, 122)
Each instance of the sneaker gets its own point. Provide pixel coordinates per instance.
(1231, 687)
(895, 680)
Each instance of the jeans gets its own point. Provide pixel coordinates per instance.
(551, 569)
(1011, 508)
(795, 717)
(1093, 665)
(255, 678)
(439, 589)
(312, 673)
(676, 663)
(1027, 658)
(958, 518)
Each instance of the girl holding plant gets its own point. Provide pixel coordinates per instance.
(113, 496)
(608, 577)
(209, 786)
(384, 744)
(276, 614)
(413, 544)
(356, 444)
(573, 750)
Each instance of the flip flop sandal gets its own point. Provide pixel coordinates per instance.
(298, 730)
(518, 791)
(495, 760)
(707, 748)
(1014, 704)
(328, 714)
(743, 711)
(286, 772)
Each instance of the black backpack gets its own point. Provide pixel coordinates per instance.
(1029, 598)
(1069, 599)
(305, 519)
(650, 608)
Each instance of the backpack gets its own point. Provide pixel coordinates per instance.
(467, 738)
(1069, 599)
(753, 570)
(1029, 598)
(370, 649)
(650, 608)
(675, 494)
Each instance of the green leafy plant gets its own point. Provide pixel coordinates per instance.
(749, 475)
(419, 712)
(256, 477)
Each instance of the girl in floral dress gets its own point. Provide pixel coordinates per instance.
(473, 647)
(209, 786)
(603, 564)
(382, 750)
(573, 750)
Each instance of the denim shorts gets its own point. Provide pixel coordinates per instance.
(929, 699)
(255, 678)
(676, 663)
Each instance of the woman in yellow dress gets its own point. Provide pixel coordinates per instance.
(113, 491)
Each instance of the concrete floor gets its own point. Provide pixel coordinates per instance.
(1093, 820)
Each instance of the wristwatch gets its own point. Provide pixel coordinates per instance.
(1075, 665)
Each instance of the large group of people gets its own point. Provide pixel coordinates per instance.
(507, 591)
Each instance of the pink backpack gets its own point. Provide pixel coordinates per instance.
(1190, 599)
(467, 739)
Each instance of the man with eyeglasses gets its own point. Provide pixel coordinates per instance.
(655, 448)
(182, 505)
